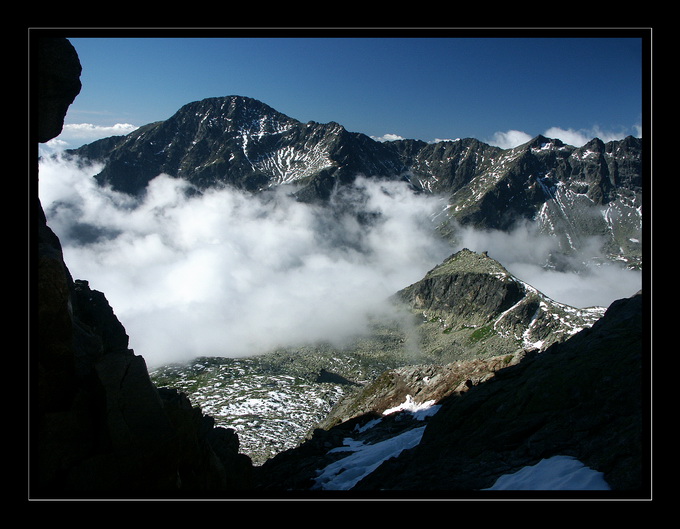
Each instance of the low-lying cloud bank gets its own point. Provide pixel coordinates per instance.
(227, 273)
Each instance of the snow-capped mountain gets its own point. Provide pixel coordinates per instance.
(238, 141)
(574, 194)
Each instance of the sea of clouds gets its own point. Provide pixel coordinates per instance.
(228, 273)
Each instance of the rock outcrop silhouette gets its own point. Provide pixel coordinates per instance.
(99, 427)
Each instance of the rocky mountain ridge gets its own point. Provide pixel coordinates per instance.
(574, 194)
(242, 142)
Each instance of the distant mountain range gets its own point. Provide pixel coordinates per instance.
(574, 194)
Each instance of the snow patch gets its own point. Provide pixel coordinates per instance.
(419, 411)
(347, 472)
(554, 473)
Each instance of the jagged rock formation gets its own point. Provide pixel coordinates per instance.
(581, 398)
(572, 193)
(99, 426)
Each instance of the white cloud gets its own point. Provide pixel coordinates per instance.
(76, 134)
(569, 136)
(226, 273)
(387, 137)
(509, 139)
(577, 138)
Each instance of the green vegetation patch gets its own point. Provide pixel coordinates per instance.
(482, 334)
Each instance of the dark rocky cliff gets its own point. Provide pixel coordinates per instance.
(99, 427)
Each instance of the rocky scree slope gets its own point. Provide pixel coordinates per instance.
(575, 194)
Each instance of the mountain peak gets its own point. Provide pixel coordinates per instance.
(229, 105)
(468, 261)
(241, 142)
(472, 299)
(232, 113)
(541, 142)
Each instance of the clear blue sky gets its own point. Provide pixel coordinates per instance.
(416, 87)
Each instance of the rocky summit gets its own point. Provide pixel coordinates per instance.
(504, 377)
(473, 304)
